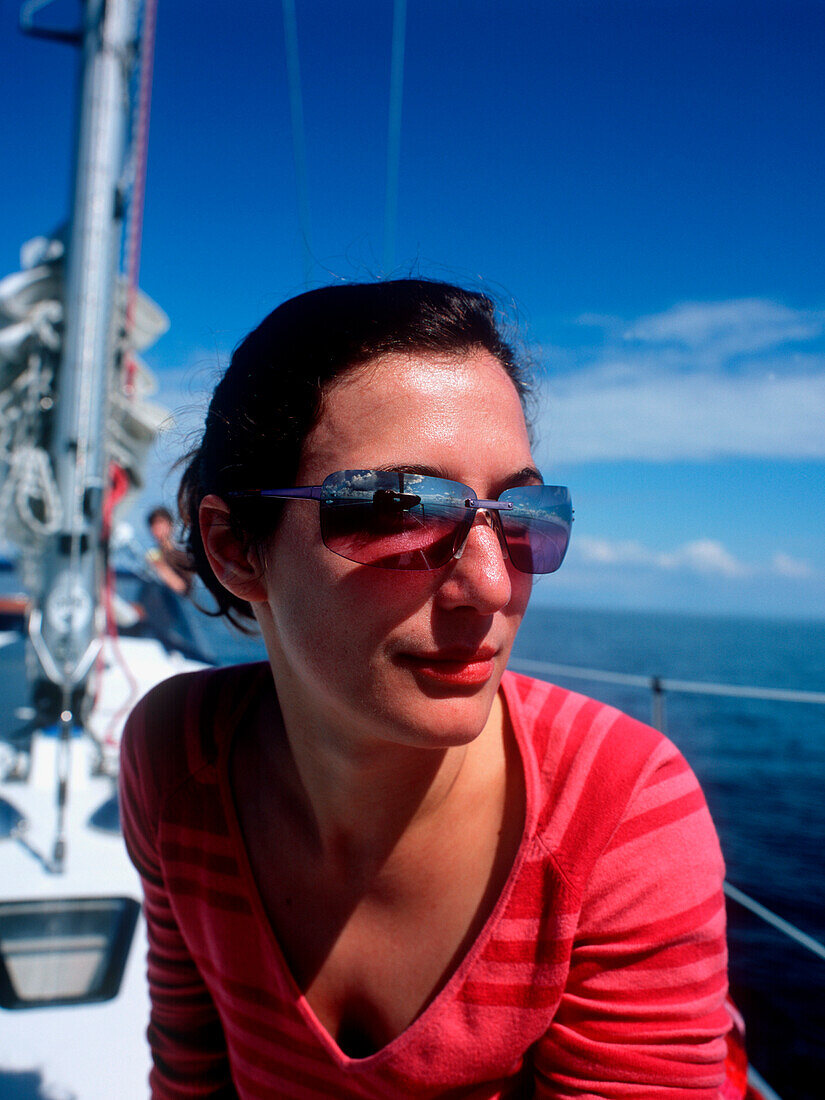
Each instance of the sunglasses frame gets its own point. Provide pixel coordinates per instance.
(472, 503)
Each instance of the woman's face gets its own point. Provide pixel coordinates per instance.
(413, 657)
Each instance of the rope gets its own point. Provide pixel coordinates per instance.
(761, 1085)
(659, 683)
(30, 483)
(777, 922)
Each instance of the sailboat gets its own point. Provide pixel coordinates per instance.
(77, 423)
(77, 420)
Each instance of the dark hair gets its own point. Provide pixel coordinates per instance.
(272, 392)
(159, 513)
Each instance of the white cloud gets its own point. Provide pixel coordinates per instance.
(704, 556)
(731, 328)
(698, 382)
(786, 566)
(608, 552)
(593, 416)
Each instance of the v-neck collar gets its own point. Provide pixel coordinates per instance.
(280, 968)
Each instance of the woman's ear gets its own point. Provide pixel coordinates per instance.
(236, 564)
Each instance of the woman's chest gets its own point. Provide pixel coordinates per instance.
(371, 951)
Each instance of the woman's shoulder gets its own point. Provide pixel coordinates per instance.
(178, 727)
(594, 767)
(558, 723)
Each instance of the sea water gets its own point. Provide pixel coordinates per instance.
(762, 767)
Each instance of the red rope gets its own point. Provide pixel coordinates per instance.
(118, 487)
(116, 491)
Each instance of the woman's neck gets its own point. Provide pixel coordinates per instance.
(354, 797)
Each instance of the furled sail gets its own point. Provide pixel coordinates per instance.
(31, 325)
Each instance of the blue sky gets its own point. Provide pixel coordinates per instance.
(642, 184)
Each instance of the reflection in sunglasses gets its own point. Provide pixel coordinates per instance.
(389, 500)
(372, 517)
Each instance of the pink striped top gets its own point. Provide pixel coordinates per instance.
(601, 971)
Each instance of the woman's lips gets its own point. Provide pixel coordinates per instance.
(451, 667)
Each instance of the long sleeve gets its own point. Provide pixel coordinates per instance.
(185, 1032)
(643, 1012)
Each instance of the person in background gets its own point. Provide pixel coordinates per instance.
(378, 864)
(166, 559)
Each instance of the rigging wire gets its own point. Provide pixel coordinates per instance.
(299, 131)
(399, 25)
(296, 108)
(134, 235)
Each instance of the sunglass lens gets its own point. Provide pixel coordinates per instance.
(393, 520)
(538, 528)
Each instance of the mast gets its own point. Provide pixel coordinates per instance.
(73, 392)
(64, 630)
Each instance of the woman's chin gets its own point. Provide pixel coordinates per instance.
(443, 716)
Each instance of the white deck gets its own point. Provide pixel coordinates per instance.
(93, 1052)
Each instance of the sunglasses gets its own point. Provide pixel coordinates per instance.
(397, 520)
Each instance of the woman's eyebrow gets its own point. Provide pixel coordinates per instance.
(413, 468)
(527, 474)
(524, 476)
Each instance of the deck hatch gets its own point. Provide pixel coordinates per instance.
(64, 951)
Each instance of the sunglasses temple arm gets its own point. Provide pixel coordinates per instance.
(314, 492)
(305, 492)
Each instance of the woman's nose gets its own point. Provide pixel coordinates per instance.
(478, 576)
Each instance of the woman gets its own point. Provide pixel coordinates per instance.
(378, 865)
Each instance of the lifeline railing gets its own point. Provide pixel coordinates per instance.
(658, 686)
